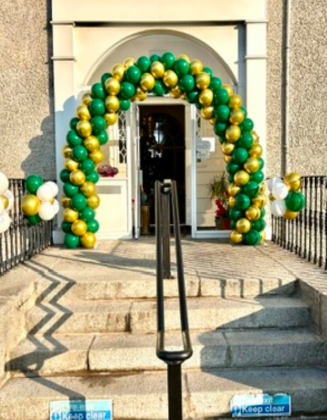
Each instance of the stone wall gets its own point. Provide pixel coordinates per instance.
(26, 108)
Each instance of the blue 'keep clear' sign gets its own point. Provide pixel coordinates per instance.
(262, 405)
(81, 410)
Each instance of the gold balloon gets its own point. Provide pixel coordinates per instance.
(67, 152)
(110, 118)
(236, 116)
(233, 133)
(229, 89)
(202, 80)
(236, 237)
(70, 215)
(140, 94)
(118, 72)
(91, 143)
(243, 225)
(83, 112)
(129, 62)
(206, 97)
(84, 128)
(263, 187)
(183, 96)
(147, 82)
(231, 201)
(212, 121)
(88, 240)
(157, 69)
(185, 57)
(87, 98)
(66, 201)
(263, 236)
(96, 156)
(253, 213)
(255, 137)
(293, 181)
(88, 189)
(77, 177)
(290, 215)
(71, 165)
(93, 201)
(228, 148)
(112, 103)
(271, 197)
(235, 101)
(5, 201)
(227, 158)
(112, 86)
(30, 205)
(170, 78)
(255, 150)
(233, 189)
(207, 112)
(175, 92)
(79, 227)
(241, 178)
(260, 200)
(252, 165)
(196, 67)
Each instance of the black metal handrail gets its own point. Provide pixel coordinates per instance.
(173, 358)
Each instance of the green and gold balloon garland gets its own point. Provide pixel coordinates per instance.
(181, 78)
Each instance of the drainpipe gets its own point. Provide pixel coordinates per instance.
(285, 114)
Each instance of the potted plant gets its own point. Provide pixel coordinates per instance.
(218, 191)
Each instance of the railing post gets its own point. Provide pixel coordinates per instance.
(165, 197)
(175, 392)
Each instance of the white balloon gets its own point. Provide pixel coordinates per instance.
(278, 208)
(45, 193)
(53, 186)
(4, 183)
(10, 197)
(274, 181)
(5, 222)
(280, 191)
(46, 211)
(55, 206)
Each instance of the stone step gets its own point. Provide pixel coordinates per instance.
(138, 316)
(122, 352)
(143, 396)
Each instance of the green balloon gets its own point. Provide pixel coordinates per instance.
(244, 111)
(295, 201)
(247, 125)
(221, 96)
(143, 63)
(215, 84)
(124, 104)
(80, 153)
(242, 202)
(160, 89)
(181, 67)
(197, 104)
(73, 139)
(221, 113)
(78, 202)
(192, 96)
(251, 189)
(71, 241)
(97, 107)
(127, 90)
(93, 226)
(168, 59)
(32, 183)
(259, 225)
(222, 140)
(98, 91)
(155, 57)
(246, 140)
(220, 128)
(105, 77)
(230, 179)
(257, 177)
(93, 177)
(240, 155)
(187, 83)
(263, 212)
(64, 175)
(235, 214)
(70, 190)
(87, 214)
(87, 166)
(207, 70)
(233, 167)
(133, 74)
(262, 163)
(98, 124)
(102, 137)
(34, 220)
(73, 123)
(233, 224)
(252, 237)
(66, 227)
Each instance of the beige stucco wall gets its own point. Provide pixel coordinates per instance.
(27, 139)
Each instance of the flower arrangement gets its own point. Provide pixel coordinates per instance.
(108, 171)
(218, 190)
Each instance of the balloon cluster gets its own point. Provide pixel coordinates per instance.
(40, 203)
(6, 203)
(285, 198)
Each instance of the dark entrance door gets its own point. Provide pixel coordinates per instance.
(162, 151)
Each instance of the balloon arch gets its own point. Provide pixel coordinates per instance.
(181, 78)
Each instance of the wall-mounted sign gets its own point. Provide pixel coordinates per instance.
(262, 405)
(81, 410)
(204, 147)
